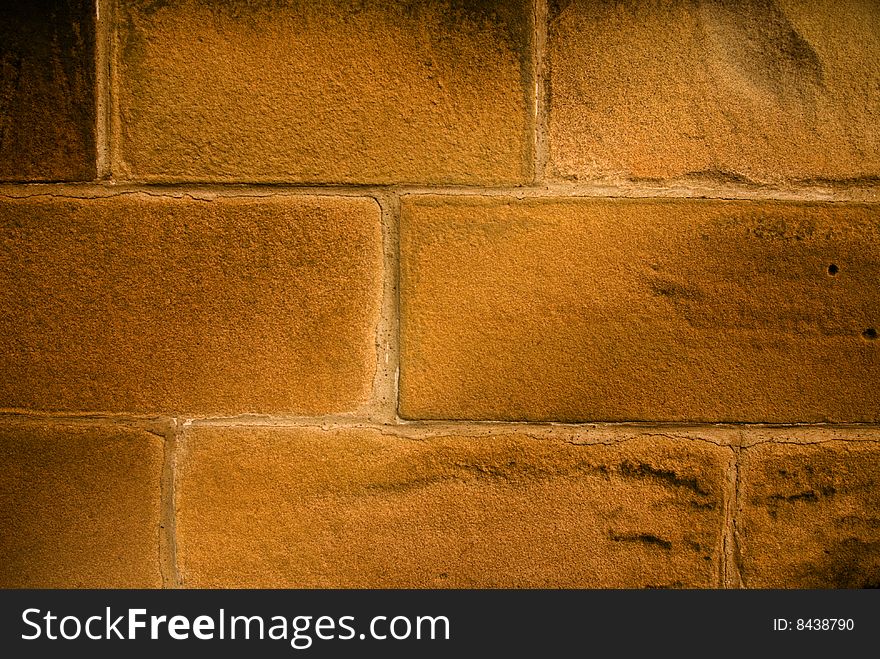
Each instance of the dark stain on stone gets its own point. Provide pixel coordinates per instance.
(808, 496)
(47, 90)
(667, 287)
(645, 538)
(512, 16)
(510, 21)
(790, 498)
(555, 9)
(696, 546)
(515, 467)
(861, 522)
(850, 563)
(642, 470)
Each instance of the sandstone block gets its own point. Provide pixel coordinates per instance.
(306, 507)
(79, 505)
(750, 91)
(649, 310)
(809, 515)
(145, 304)
(47, 90)
(324, 91)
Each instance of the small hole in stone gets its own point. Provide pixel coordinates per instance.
(833, 269)
(870, 334)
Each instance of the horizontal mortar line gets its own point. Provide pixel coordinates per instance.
(553, 190)
(641, 423)
(749, 444)
(422, 432)
(97, 189)
(361, 417)
(576, 435)
(358, 420)
(672, 190)
(737, 434)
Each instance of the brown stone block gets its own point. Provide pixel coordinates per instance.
(152, 304)
(743, 91)
(79, 505)
(809, 515)
(306, 507)
(47, 90)
(325, 91)
(655, 310)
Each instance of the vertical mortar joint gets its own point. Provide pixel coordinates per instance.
(168, 530)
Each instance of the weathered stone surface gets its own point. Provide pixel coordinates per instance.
(663, 310)
(760, 90)
(79, 505)
(152, 304)
(810, 515)
(325, 91)
(47, 90)
(306, 507)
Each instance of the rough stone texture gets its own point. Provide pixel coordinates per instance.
(79, 505)
(47, 90)
(151, 304)
(756, 90)
(271, 507)
(663, 310)
(810, 515)
(325, 91)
